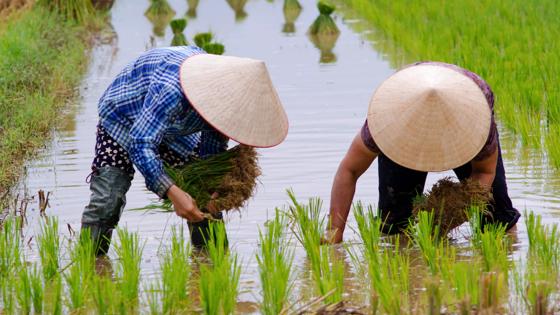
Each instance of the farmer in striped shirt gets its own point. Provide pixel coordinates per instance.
(169, 105)
(429, 116)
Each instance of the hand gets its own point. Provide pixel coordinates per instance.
(185, 206)
(332, 236)
(211, 206)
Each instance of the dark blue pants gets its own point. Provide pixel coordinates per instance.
(398, 186)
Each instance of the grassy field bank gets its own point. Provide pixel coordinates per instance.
(512, 44)
(42, 59)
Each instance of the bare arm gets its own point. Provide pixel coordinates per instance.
(355, 163)
(485, 171)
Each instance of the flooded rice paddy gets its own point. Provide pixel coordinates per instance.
(325, 102)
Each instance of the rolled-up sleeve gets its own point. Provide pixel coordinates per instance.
(161, 104)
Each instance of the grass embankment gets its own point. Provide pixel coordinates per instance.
(42, 59)
(512, 44)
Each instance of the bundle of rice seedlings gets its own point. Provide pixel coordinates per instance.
(238, 6)
(292, 10)
(160, 13)
(178, 26)
(231, 174)
(450, 201)
(71, 10)
(204, 41)
(324, 33)
(193, 5)
(324, 24)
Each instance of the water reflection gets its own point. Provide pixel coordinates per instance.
(193, 6)
(325, 43)
(292, 10)
(160, 13)
(238, 6)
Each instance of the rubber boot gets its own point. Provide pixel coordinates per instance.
(200, 233)
(108, 187)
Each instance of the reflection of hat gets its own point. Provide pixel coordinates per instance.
(429, 118)
(235, 96)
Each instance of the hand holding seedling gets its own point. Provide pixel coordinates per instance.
(185, 206)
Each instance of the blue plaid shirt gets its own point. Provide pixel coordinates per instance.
(145, 106)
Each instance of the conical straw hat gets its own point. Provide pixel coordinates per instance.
(235, 96)
(429, 118)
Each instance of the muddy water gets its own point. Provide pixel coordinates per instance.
(326, 104)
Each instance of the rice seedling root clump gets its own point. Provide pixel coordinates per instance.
(231, 174)
(450, 201)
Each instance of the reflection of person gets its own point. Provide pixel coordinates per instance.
(426, 117)
(169, 105)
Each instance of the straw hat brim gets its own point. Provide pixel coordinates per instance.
(429, 118)
(236, 97)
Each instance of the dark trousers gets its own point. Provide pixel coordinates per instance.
(398, 186)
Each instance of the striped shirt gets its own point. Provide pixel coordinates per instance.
(145, 106)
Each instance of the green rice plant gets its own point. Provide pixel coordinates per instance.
(48, 242)
(493, 247)
(8, 295)
(275, 260)
(426, 237)
(307, 223)
(539, 290)
(391, 282)
(544, 242)
(465, 277)
(324, 24)
(129, 253)
(205, 41)
(369, 227)
(434, 295)
(79, 277)
(175, 273)
(219, 281)
(24, 291)
(37, 289)
(328, 274)
(10, 246)
(178, 27)
(106, 296)
(327, 271)
(53, 295)
(492, 291)
(153, 297)
(79, 11)
(476, 224)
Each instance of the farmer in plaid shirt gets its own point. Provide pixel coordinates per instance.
(167, 106)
